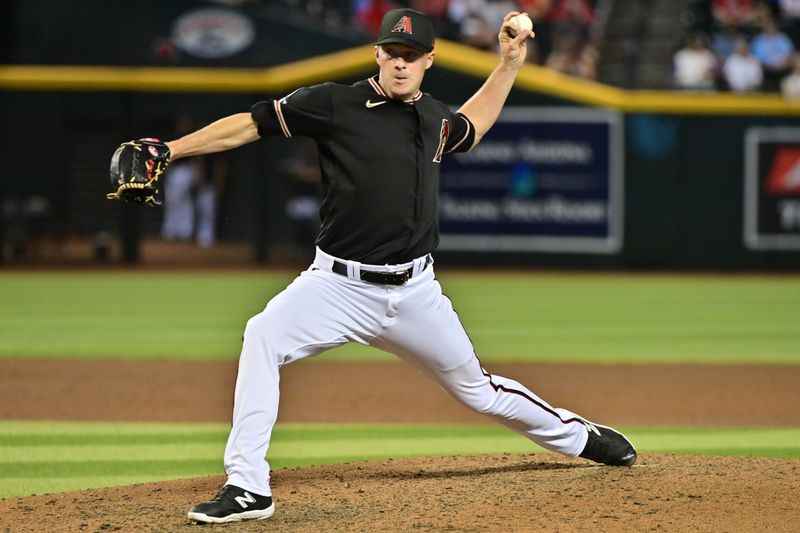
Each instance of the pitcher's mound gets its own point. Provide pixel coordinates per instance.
(538, 492)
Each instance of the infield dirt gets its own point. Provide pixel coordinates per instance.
(479, 493)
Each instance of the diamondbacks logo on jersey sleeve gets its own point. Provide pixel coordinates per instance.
(403, 26)
(444, 133)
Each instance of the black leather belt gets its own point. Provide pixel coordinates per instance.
(381, 278)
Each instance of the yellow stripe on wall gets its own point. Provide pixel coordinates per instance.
(449, 55)
(185, 79)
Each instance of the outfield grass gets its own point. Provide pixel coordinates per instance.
(40, 457)
(580, 318)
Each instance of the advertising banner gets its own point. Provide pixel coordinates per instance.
(772, 189)
(542, 179)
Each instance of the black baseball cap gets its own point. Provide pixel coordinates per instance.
(407, 26)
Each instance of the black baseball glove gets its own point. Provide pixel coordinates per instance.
(136, 168)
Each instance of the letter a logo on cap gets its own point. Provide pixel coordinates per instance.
(403, 26)
(408, 27)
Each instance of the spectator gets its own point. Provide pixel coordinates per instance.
(789, 8)
(694, 65)
(741, 70)
(790, 85)
(567, 14)
(586, 65)
(790, 14)
(496, 11)
(458, 10)
(571, 55)
(475, 31)
(477, 19)
(437, 11)
(774, 50)
(191, 192)
(369, 13)
(492, 11)
(723, 43)
(766, 9)
(303, 201)
(209, 190)
(737, 13)
(179, 183)
(539, 12)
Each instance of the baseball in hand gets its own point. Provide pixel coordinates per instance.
(520, 23)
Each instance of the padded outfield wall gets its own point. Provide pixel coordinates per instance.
(707, 181)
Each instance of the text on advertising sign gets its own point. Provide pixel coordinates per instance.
(542, 179)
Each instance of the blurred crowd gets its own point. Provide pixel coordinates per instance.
(746, 46)
(564, 28)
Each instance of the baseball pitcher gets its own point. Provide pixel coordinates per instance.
(380, 143)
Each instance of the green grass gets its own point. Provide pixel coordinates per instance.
(41, 457)
(579, 318)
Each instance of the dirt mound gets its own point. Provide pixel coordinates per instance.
(503, 493)
(481, 493)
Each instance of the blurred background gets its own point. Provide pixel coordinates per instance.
(645, 134)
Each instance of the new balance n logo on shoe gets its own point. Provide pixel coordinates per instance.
(244, 500)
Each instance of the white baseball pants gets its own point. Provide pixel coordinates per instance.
(320, 310)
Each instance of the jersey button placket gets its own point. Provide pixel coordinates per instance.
(419, 158)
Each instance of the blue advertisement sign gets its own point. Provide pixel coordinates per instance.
(542, 179)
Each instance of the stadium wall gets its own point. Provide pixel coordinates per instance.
(685, 171)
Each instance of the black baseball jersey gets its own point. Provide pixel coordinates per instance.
(379, 160)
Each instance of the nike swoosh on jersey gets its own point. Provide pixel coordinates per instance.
(370, 104)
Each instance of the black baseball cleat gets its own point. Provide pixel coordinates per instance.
(608, 446)
(232, 504)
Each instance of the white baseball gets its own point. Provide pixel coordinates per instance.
(521, 22)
